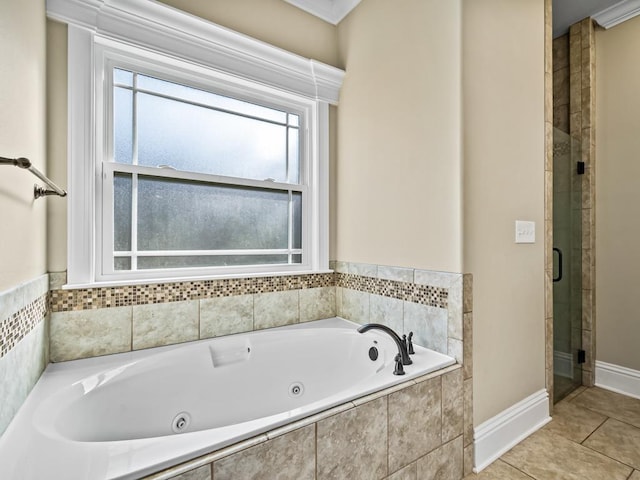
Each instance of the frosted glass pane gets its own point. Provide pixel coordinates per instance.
(122, 263)
(184, 215)
(122, 77)
(122, 211)
(211, 99)
(294, 156)
(145, 263)
(297, 220)
(122, 125)
(199, 139)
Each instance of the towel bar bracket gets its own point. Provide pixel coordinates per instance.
(38, 191)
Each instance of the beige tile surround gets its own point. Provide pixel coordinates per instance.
(406, 432)
(101, 321)
(437, 306)
(24, 342)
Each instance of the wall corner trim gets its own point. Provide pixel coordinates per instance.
(618, 379)
(508, 428)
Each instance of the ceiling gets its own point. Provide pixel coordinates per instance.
(607, 13)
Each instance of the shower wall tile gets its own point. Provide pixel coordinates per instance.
(20, 369)
(467, 411)
(387, 311)
(433, 278)
(452, 405)
(202, 473)
(90, 333)
(24, 343)
(276, 309)
(57, 280)
(355, 305)
(397, 274)
(362, 269)
(429, 326)
(587, 313)
(130, 295)
(288, 456)
(353, 444)
(339, 303)
(455, 349)
(454, 308)
(445, 462)
(317, 303)
(412, 292)
(415, 422)
(226, 315)
(467, 292)
(467, 355)
(165, 324)
(339, 267)
(467, 461)
(372, 439)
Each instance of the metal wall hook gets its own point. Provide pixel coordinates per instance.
(38, 191)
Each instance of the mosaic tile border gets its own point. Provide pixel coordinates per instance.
(123, 296)
(109, 297)
(21, 323)
(410, 292)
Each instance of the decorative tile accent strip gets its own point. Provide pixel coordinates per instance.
(410, 292)
(17, 326)
(106, 297)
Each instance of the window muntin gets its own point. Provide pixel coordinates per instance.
(197, 179)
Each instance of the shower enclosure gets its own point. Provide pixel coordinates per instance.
(568, 355)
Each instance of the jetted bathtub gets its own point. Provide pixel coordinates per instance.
(132, 414)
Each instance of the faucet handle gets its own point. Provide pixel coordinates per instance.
(399, 370)
(410, 349)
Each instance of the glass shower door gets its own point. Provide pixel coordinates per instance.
(567, 264)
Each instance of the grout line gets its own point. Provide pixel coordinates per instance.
(513, 466)
(594, 431)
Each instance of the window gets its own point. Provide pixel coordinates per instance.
(194, 151)
(199, 179)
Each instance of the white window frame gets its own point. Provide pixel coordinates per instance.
(155, 36)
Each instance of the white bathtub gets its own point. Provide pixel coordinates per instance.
(117, 416)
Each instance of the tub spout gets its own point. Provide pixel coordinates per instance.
(402, 347)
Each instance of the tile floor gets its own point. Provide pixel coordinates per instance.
(594, 435)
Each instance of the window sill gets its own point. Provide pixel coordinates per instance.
(122, 283)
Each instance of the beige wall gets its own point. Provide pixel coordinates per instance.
(618, 194)
(398, 185)
(57, 142)
(503, 85)
(22, 134)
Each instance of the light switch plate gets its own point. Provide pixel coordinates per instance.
(525, 232)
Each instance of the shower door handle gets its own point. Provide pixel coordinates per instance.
(559, 252)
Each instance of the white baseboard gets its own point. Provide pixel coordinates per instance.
(563, 364)
(618, 379)
(502, 432)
